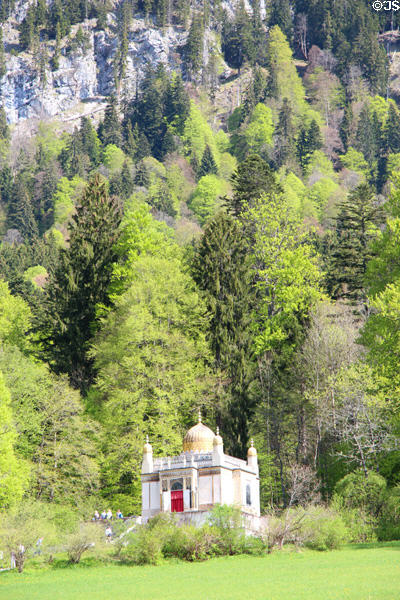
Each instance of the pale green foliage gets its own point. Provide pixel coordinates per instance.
(384, 267)
(3, 219)
(150, 355)
(319, 164)
(380, 107)
(19, 532)
(51, 143)
(227, 165)
(154, 167)
(393, 165)
(310, 114)
(178, 185)
(198, 134)
(57, 235)
(361, 525)
(113, 157)
(87, 537)
(288, 81)
(14, 319)
(65, 465)
(260, 130)
(33, 272)
(205, 199)
(294, 190)
(141, 235)
(312, 526)
(222, 140)
(321, 192)
(361, 417)
(14, 472)
(355, 161)
(289, 279)
(68, 190)
(358, 491)
(4, 150)
(323, 529)
(52, 431)
(381, 335)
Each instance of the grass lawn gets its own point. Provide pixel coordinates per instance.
(360, 572)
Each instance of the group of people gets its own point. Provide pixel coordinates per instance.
(106, 516)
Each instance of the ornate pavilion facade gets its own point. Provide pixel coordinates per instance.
(199, 478)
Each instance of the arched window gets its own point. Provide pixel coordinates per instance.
(177, 485)
(248, 495)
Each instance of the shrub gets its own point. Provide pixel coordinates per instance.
(143, 546)
(88, 536)
(312, 526)
(253, 545)
(389, 522)
(228, 525)
(360, 524)
(21, 528)
(163, 537)
(191, 543)
(323, 529)
(358, 491)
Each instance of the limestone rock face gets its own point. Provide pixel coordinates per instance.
(83, 76)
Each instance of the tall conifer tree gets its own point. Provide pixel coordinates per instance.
(222, 269)
(79, 284)
(252, 178)
(356, 227)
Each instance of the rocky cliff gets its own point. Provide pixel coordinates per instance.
(83, 75)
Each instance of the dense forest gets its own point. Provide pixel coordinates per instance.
(182, 254)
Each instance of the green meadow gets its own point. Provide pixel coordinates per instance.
(358, 572)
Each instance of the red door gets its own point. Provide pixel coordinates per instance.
(177, 501)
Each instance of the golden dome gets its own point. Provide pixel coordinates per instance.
(199, 438)
(147, 447)
(251, 451)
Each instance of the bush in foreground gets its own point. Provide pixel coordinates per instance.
(312, 526)
(88, 536)
(162, 537)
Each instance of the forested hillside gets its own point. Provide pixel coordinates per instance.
(219, 230)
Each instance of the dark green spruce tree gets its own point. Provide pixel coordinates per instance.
(131, 139)
(89, 141)
(367, 136)
(110, 131)
(281, 15)
(392, 129)
(309, 140)
(79, 285)
(345, 126)
(193, 49)
(252, 178)
(4, 129)
(284, 148)
(21, 212)
(222, 269)
(237, 41)
(208, 166)
(356, 227)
